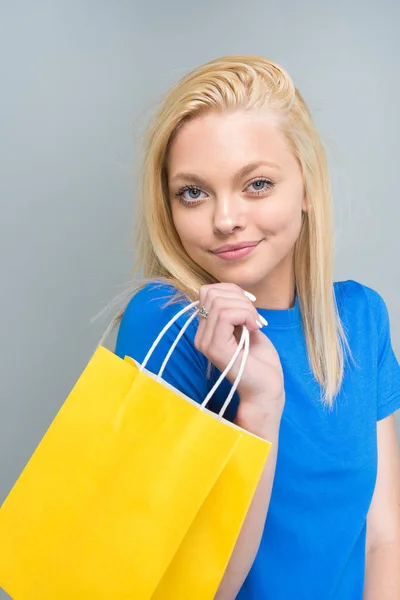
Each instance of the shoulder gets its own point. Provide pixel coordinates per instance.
(365, 316)
(356, 300)
(146, 315)
(150, 299)
(353, 291)
(153, 306)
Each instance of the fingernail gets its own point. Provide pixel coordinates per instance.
(250, 296)
(263, 321)
(259, 324)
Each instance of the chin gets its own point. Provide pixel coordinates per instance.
(243, 280)
(242, 273)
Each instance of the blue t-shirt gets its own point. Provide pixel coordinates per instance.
(313, 544)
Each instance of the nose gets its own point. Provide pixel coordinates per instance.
(229, 215)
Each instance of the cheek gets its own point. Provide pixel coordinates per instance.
(187, 227)
(277, 218)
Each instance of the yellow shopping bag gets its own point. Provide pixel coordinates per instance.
(197, 568)
(130, 484)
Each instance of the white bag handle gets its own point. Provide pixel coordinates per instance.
(244, 342)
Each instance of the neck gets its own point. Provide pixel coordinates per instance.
(277, 293)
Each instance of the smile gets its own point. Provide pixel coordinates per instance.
(238, 253)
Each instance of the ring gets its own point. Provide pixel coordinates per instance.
(203, 312)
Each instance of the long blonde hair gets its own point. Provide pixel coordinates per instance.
(245, 82)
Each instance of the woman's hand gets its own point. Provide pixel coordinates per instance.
(261, 388)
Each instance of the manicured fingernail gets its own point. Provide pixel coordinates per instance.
(263, 321)
(259, 324)
(250, 296)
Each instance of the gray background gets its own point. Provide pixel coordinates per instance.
(78, 81)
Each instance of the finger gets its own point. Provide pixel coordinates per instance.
(220, 288)
(218, 342)
(208, 294)
(227, 290)
(223, 305)
(206, 325)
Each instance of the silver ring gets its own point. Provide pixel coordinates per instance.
(203, 312)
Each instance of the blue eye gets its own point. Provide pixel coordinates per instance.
(267, 185)
(192, 200)
(262, 186)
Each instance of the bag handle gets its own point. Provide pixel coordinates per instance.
(244, 342)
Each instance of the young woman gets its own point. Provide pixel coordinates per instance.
(236, 211)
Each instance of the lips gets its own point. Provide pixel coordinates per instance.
(238, 252)
(233, 247)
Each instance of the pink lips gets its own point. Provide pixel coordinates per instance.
(233, 251)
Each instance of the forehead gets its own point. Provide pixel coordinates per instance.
(223, 140)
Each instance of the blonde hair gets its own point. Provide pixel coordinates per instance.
(246, 82)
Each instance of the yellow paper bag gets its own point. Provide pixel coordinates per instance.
(109, 499)
(197, 569)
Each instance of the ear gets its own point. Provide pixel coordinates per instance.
(304, 204)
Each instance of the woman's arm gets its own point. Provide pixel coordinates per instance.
(382, 581)
(261, 401)
(267, 427)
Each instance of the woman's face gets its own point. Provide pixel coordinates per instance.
(233, 179)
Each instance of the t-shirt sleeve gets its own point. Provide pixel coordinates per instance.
(388, 367)
(143, 320)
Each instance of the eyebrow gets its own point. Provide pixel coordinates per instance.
(241, 173)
